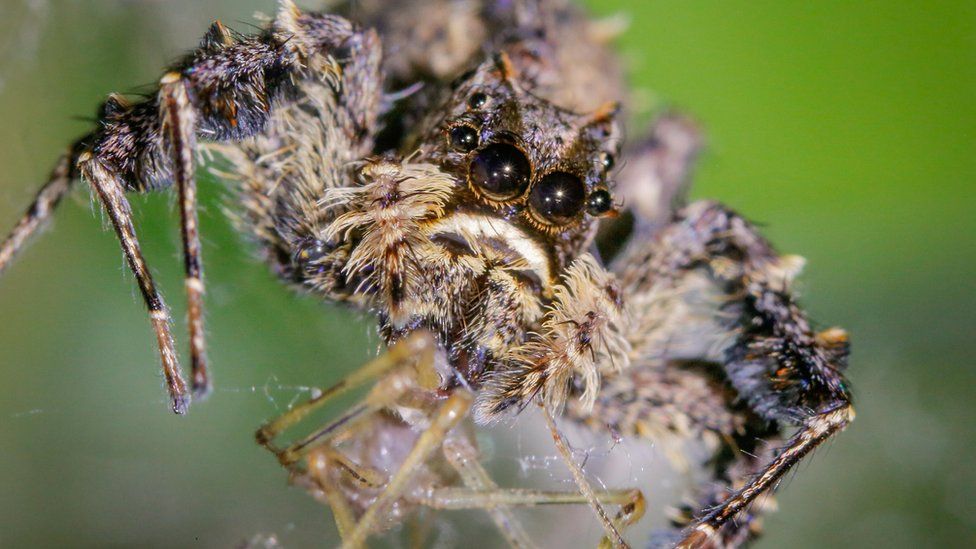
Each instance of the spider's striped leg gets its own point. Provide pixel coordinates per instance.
(179, 134)
(707, 287)
(110, 193)
(707, 530)
(58, 185)
(225, 90)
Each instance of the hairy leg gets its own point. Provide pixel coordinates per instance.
(179, 133)
(224, 90)
(707, 287)
(111, 194)
(60, 182)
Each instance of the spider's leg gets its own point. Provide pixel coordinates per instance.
(708, 287)
(59, 184)
(179, 133)
(110, 193)
(226, 90)
(814, 431)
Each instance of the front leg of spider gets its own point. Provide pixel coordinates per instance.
(225, 90)
(711, 262)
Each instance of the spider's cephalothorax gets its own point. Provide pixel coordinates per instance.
(444, 166)
(470, 238)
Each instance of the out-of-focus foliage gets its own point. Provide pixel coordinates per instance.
(848, 129)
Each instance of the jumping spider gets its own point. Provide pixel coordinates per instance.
(449, 179)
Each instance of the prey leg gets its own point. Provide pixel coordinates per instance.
(406, 366)
(450, 413)
(418, 346)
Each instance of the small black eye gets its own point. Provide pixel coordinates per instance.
(464, 138)
(599, 202)
(500, 171)
(477, 100)
(558, 197)
(607, 161)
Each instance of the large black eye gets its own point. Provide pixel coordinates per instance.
(500, 171)
(558, 197)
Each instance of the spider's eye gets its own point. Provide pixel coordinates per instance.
(477, 100)
(607, 161)
(500, 171)
(599, 202)
(464, 138)
(558, 197)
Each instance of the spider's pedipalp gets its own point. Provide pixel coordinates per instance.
(580, 337)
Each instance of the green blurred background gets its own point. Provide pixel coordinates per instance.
(845, 128)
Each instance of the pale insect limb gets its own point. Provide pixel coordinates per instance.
(463, 456)
(417, 345)
(632, 505)
(613, 535)
(415, 350)
(321, 461)
(446, 418)
(466, 498)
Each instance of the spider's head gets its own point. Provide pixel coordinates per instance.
(525, 168)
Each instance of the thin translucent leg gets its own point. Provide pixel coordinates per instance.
(320, 462)
(463, 456)
(631, 503)
(417, 349)
(447, 417)
(466, 498)
(179, 130)
(110, 193)
(613, 535)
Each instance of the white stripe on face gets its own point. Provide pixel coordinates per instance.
(476, 227)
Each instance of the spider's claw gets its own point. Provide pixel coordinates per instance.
(181, 404)
(201, 386)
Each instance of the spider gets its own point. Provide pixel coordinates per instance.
(450, 167)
